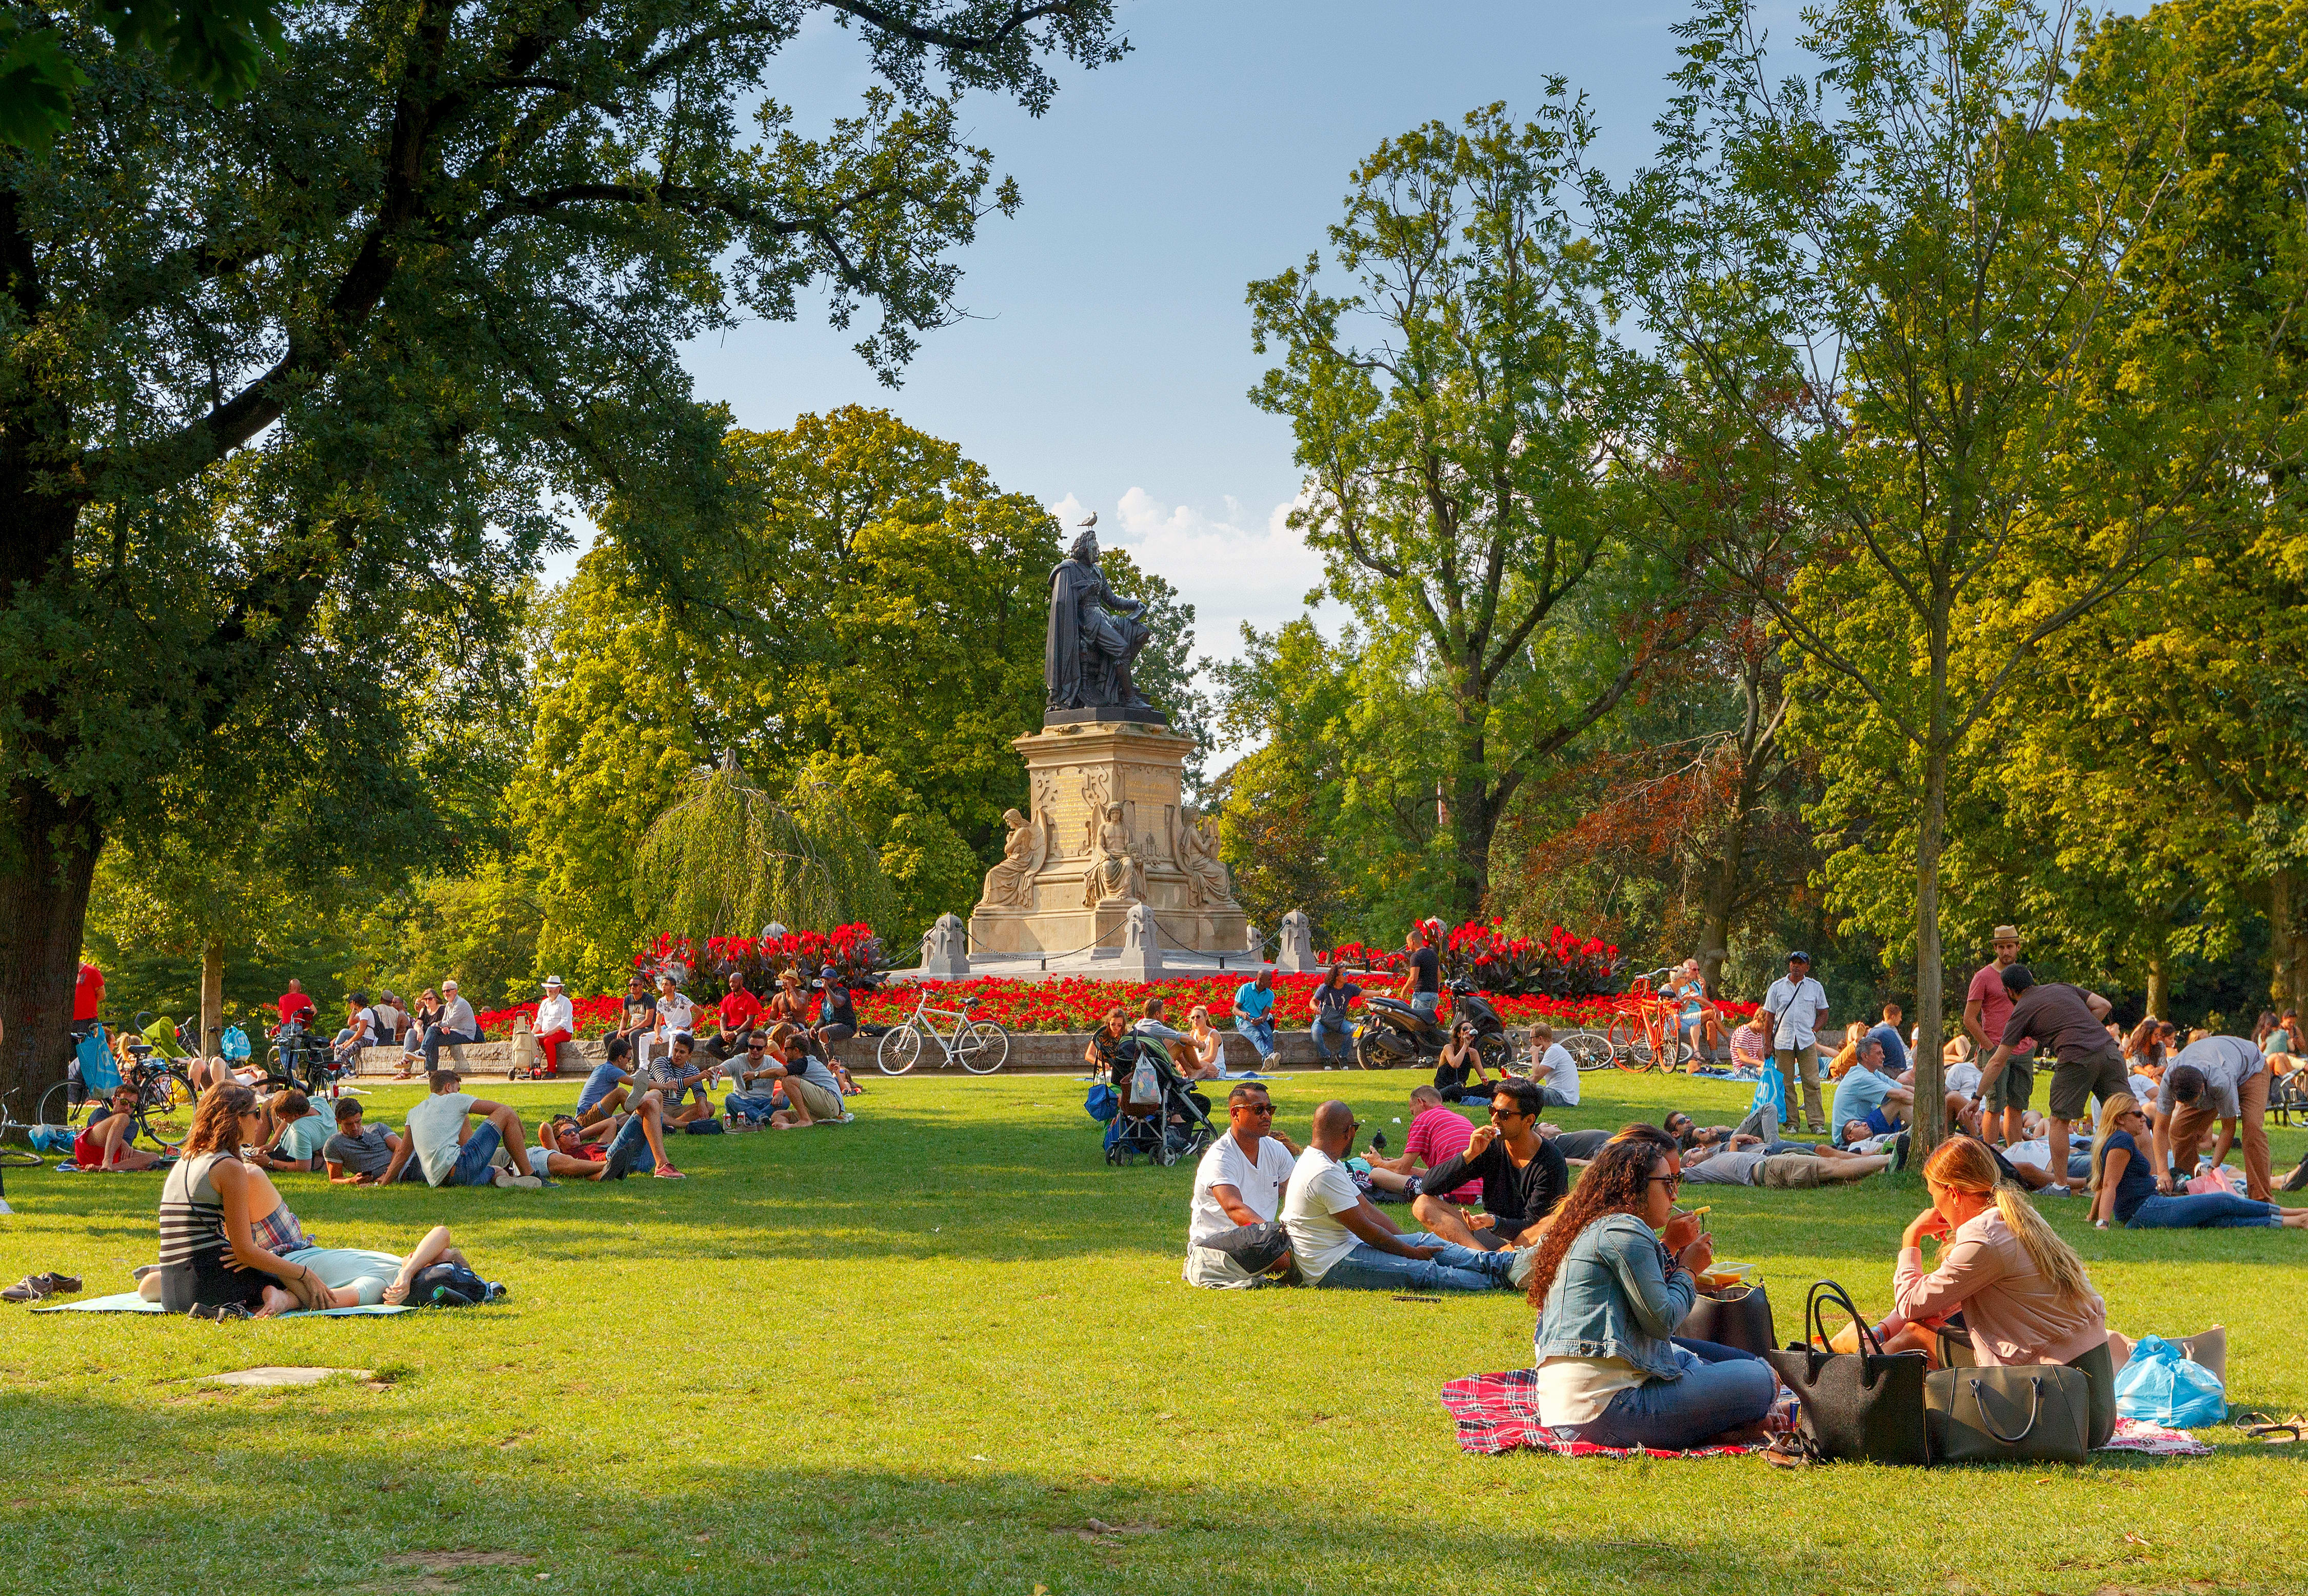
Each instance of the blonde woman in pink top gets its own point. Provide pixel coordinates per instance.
(2022, 1291)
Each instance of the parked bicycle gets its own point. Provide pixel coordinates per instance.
(164, 1098)
(1648, 1034)
(16, 1158)
(979, 1045)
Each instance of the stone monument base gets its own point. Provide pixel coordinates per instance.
(1074, 770)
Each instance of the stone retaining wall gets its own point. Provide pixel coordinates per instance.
(1032, 1052)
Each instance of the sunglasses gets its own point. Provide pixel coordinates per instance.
(1265, 1109)
(1508, 1114)
(1674, 1182)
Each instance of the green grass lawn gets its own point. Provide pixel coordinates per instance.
(923, 1351)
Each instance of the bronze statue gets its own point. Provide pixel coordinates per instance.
(1094, 638)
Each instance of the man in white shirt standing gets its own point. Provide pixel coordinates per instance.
(1797, 1005)
(1553, 1067)
(1239, 1182)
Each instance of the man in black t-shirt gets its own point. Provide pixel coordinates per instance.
(1522, 1173)
(1422, 969)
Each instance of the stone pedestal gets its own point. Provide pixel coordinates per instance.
(1052, 900)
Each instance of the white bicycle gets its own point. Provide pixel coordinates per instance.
(979, 1045)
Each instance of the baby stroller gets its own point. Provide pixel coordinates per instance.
(1157, 1116)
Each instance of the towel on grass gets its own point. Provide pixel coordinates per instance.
(129, 1302)
(2143, 1435)
(1500, 1413)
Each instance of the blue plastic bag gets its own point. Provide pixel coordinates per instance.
(1101, 1104)
(98, 1072)
(1770, 1092)
(234, 1044)
(2162, 1386)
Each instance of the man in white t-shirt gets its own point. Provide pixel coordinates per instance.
(1553, 1067)
(1239, 1182)
(1343, 1242)
(453, 1152)
(1797, 1005)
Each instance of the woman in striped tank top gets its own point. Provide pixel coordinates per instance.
(209, 1255)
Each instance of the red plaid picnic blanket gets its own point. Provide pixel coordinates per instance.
(1500, 1413)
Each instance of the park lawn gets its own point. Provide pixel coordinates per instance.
(925, 1350)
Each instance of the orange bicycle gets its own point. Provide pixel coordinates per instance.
(1647, 1034)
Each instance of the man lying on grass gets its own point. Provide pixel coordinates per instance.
(1523, 1177)
(453, 1152)
(1746, 1160)
(1342, 1242)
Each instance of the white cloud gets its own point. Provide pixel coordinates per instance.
(1235, 568)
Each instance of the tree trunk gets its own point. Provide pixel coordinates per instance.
(2287, 940)
(1931, 1087)
(1471, 826)
(212, 998)
(2159, 987)
(50, 854)
(1723, 882)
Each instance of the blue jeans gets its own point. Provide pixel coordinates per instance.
(1452, 1269)
(1714, 1395)
(1331, 1025)
(1423, 1004)
(1260, 1033)
(756, 1105)
(435, 1039)
(472, 1165)
(2212, 1210)
(630, 1137)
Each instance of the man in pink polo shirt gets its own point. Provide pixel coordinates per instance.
(1986, 1007)
(1436, 1133)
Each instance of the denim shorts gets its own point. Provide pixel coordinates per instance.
(473, 1159)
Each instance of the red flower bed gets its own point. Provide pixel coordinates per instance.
(592, 1016)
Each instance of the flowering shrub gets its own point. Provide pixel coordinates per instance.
(1358, 955)
(1560, 965)
(854, 951)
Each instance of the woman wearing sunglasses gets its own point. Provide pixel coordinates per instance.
(1610, 1295)
(210, 1258)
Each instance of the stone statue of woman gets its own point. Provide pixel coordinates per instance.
(1207, 880)
(1012, 882)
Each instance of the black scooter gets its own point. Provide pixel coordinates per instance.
(1393, 1035)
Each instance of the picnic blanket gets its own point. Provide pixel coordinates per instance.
(2143, 1435)
(1500, 1413)
(128, 1302)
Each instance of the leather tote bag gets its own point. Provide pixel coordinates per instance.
(1859, 1406)
(2022, 1413)
(1740, 1318)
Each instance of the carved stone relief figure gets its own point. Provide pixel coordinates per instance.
(1114, 871)
(1011, 882)
(1206, 882)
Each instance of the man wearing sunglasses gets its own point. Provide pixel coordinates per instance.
(1239, 1182)
(1342, 1242)
(1523, 1176)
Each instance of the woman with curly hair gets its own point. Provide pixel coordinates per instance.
(210, 1256)
(1610, 1295)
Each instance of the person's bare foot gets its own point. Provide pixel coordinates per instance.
(276, 1303)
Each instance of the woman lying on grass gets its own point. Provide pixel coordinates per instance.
(1611, 1296)
(215, 1252)
(2022, 1291)
(2123, 1185)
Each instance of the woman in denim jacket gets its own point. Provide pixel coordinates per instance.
(1611, 1295)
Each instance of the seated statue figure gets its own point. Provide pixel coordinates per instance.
(1094, 636)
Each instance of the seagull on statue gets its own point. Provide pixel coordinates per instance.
(1087, 521)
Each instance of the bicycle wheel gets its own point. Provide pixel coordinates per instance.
(1627, 1042)
(1496, 1055)
(164, 1110)
(900, 1049)
(18, 1158)
(1587, 1050)
(982, 1047)
(60, 1106)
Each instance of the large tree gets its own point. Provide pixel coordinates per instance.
(279, 378)
(1452, 411)
(1899, 284)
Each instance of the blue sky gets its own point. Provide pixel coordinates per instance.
(1110, 363)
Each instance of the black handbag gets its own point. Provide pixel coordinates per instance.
(1863, 1406)
(2023, 1412)
(1256, 1247)
(1741, 1318)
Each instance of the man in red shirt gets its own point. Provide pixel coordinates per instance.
(294, 1006)
(1987, 1008)
(1436, 1133)
(88, 994)
(741, 1010)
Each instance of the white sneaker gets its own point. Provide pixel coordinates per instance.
(528, 1183)
(2057, 1190)
(845, 1117)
